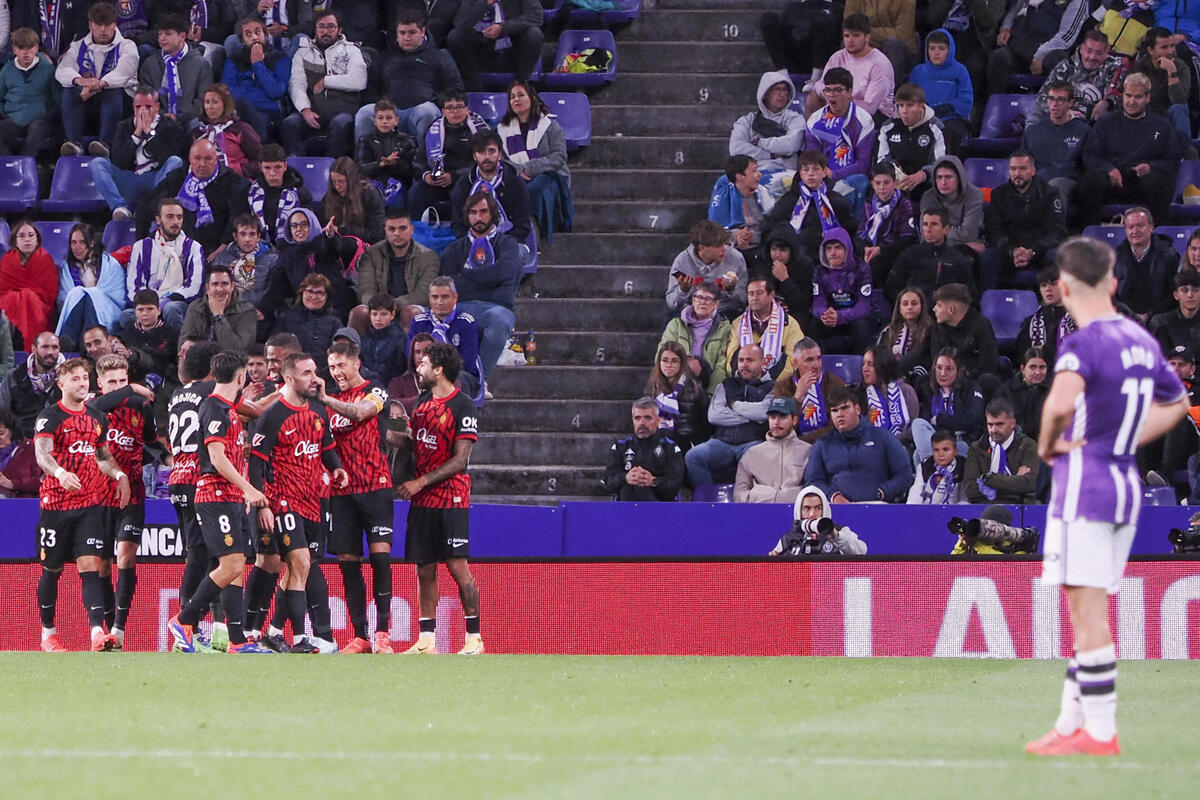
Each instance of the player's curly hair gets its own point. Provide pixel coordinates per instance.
(441, 354)
(225, 365)
(111, 362)
(198, 361)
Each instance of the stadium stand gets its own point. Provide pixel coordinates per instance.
(18, 184)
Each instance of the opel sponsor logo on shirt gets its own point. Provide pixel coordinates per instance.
(85, 448)
(338, 422)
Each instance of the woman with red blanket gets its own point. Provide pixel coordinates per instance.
(28, 282)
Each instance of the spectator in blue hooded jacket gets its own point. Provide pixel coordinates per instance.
(948, 88)
(857, 462)
(842, 297)
(257, 75)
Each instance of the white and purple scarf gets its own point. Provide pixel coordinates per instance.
(878, 214)
(481, 253)
(830, 130)
(42, 381)
(890, 412)
(1038, 335)
(668, 407)
(192, 197)
(772, 336)
(198, 16)
(493, 188)
(289, 201)
(813, 414)
(86, 63)
(805, 201)
(435, 139)
(441, 327)
(171, 86)
(215, 133)
(494, 15)
(939, 489)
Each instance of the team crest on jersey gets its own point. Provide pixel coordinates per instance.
(229, 540)
(923, 140)
(266, 540)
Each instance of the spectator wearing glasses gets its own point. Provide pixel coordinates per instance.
(311, 319)
(703, 334)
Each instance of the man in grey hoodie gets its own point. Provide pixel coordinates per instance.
(960, 199)
(774, 134)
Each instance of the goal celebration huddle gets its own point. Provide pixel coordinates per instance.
(272, 477)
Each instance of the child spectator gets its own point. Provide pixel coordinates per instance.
(947, 86)
(913, 140)
(939, 479)
(28, 94)
(887, 228)
(384, 342)
(809, 207)
(842, 297)
(386, 154)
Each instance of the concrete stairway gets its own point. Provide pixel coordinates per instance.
(660, 136)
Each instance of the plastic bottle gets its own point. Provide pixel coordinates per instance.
(531, 351)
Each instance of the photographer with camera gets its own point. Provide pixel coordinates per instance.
(1002, 466)
(814, 532)
(992, 534)
(1186, 540)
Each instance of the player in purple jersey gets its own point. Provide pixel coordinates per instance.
(1112, 393)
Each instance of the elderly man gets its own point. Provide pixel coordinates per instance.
(767, 325)
(1146, 266)
(647, 466)
(858, 462)
(221, 315)
(773, 471)
(809, 386)
(1002, 466)
(211, 194)
(445, 322)
(1095, 76)
(1131, 156)
(738, 414)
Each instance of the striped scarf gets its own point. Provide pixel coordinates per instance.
(891, 413)
(86, 62)
(289, 201)
(807, 197)
(171, 86)
(215, 133)
(192, 197)
(492, 187)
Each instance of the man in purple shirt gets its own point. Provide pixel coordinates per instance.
(1112, 392)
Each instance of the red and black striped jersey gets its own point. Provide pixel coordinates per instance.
(183, 430)
(219, 422)
(130, 426)
(360, 444)
(290, 444)
(437, 425)
(75, 435)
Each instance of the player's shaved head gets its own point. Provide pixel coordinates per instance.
(1086, 260)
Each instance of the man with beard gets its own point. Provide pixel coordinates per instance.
(1024, 222)
(494, 175)
(328, 77)
(647, 466)
(31, 386)
(291, 449)
(167, 261)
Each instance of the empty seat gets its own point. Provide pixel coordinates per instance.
(532, 244)
(56, 237)
(1189, 174)
(1003, 123)
(1159, 496)
(551, 9)
(622, 11)
(502, 78)
(119, 234)
(574, 113)
(1179, 235)
(577, 41)
(315, 172)
(1006, 309)
(489, 105)
(72, 190)
(987, 174)
(18, 185)
(1113, 235)
(713, 493)
(848, 368)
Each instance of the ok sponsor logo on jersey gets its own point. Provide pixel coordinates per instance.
(470, 424)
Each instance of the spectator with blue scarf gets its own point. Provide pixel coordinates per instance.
(497, 176)
(1002, 465)
(444, 153)
(94, 73)
(448, 323)
(740, 202)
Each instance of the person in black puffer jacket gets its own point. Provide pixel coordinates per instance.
(681, 399)
(311, 319)
(309, 249)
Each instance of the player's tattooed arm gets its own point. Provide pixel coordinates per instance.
(43, 450)
(455, 464)
(355, 412)
(110, 467)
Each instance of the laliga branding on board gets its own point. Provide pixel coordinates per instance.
(163, 541)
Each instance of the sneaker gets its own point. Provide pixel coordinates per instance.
(183, 635)
(326, 647)
(203, 645)
(121, 214)
(98, 149)
(220, 638)
(383, 643)
(473, 646)
(53, 644)
(70, 149)
(305, 647)
(1080, 743)
(118, 639)
(102, 642)
(425, 646)
(273, 641)
(1050, 739)
(249, 647)
(355, 646)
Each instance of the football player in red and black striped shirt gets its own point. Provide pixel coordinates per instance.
(223, 498)
(69, 443)
(445, 427)
(292, 450)
(130, 428)
(366, 503)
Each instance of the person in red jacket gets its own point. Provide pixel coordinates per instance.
(20, 475)
(28, 282)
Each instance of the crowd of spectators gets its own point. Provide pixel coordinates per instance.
(847, 176)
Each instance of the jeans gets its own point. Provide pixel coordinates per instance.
(109, 105)
(714, 461)
(495, 326)
(414, 121)
(1177, 115)
(293, 132)
(32, 138)
(173, 312)
(122, 187)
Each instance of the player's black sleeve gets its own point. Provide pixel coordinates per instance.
(112, 400)
(329, 455)
(266, 434)
(466, 418)
(149, 426)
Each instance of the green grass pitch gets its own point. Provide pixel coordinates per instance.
(174, 726)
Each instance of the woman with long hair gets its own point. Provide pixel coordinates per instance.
(908, 332)
(352, 204)
(91, 285)
(1028, 389)
(237, 143)
(889, 399)
(954, 402)
(681, 400)
(28, 283)
(537, 145)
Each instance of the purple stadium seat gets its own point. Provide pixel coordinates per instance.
(1003, 123)
(18, 184)
(1026, 84)
(1113, 235)
(622, 11)
(713, 493)
(848, 368)
(489, 105)
(574, 41)
(315, 172)
(532, 244)
(987, 173)
(1179, 236)
(1159, 496)
(56, 237)
(1006, 309)
(72, 190)
(551, 9)
(1189, 173)
(501, 80)
(119, 234)
(798, 104)
(4, 234)
(574, 113)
